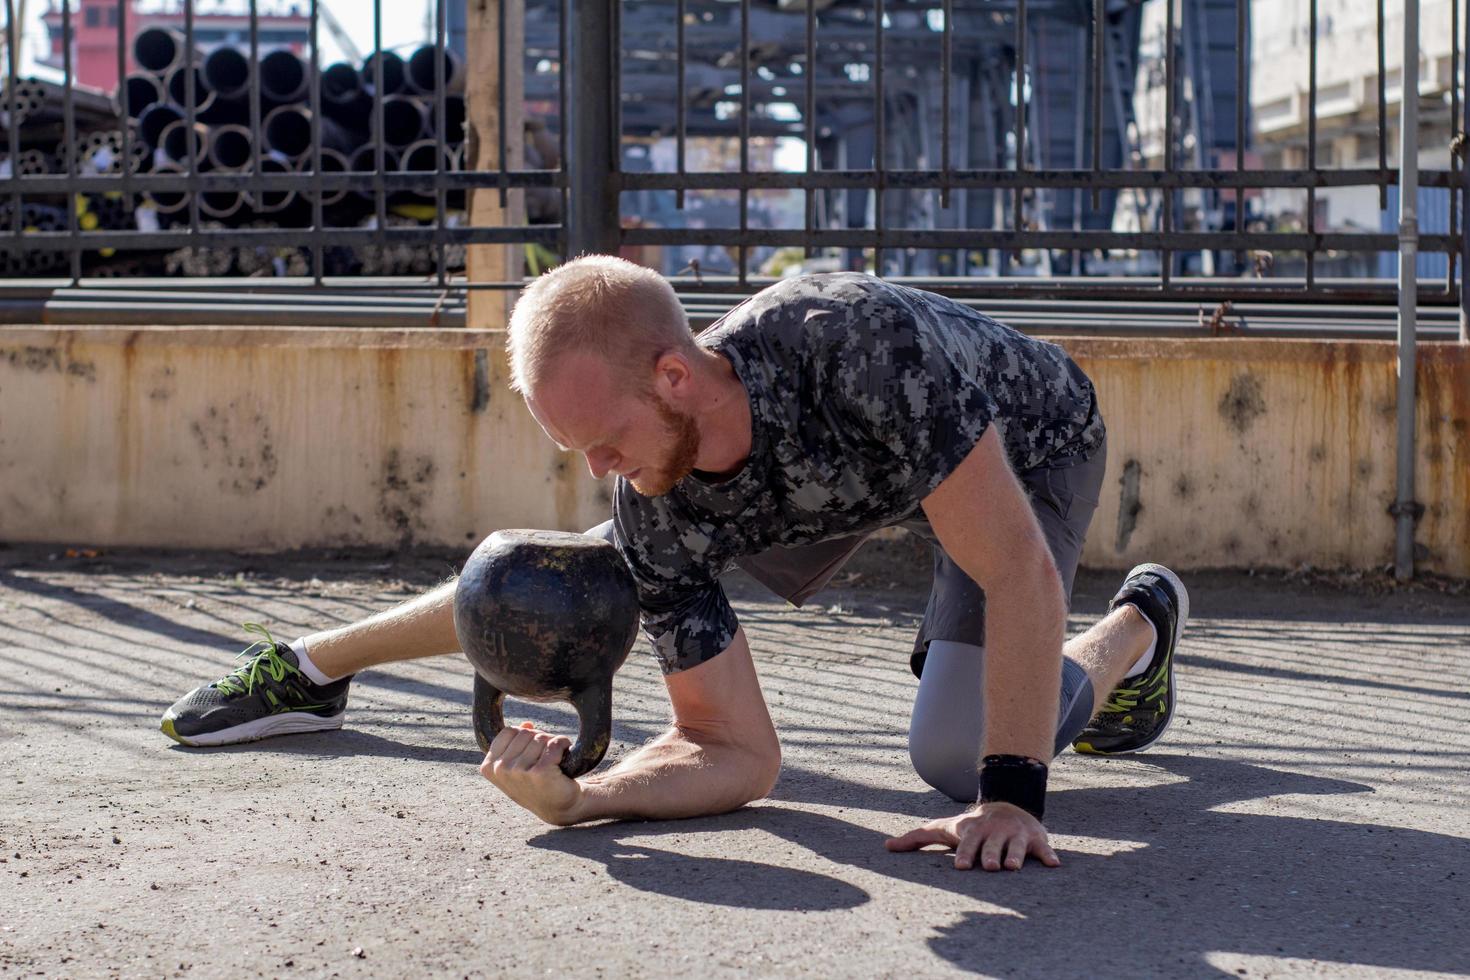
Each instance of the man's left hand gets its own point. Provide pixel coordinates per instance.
(1002, 835)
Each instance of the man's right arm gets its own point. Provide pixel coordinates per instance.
(720, 753)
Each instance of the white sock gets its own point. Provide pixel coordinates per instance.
(303, 660)
(1142, 664)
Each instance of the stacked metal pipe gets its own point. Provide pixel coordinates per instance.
(32, 217)
(347, 128)
(153, 106)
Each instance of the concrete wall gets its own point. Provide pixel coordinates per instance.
(1222, 452)
(1237, 452)
(272, 438)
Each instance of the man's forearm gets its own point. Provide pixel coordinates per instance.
(1025, 626)
(678, 775)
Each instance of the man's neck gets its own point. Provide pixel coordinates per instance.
(724, 421)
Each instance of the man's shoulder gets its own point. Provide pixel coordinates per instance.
(827, 290)
(809, 313)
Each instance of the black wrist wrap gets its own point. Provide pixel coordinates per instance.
(1014, 779)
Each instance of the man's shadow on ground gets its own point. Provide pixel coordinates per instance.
(1204, 881)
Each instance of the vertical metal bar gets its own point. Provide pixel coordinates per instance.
(314, 93)
(69, 135)
(680, 107)
(440, 197)
(946, 75)
(1465, 195)
(1311, 139)
(380, 196)
(122, 84)
(1452, 255)
(1382, 115)
(564, 125)
(255, 140)
(1018, 197)
(1242, 91)
(1405, 508)
(12, 126)
(810, 119)
(1166, 256)
(741, 253)
(1079, 152)
(190, 100)
(502, 137)
(1099, 16)
(615, 133)
(592, 223)
(880, 137)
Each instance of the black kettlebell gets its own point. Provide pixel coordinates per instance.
(547, 616)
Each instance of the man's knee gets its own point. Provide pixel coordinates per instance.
(948, 722)
(947, 763)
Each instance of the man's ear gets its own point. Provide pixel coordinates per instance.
(672, 374)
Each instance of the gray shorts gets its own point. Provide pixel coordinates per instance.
(1063, 499)
(947, 725)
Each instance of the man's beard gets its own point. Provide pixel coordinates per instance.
(683, 437)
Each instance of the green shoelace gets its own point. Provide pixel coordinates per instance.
(1124, 699)
(263, 659)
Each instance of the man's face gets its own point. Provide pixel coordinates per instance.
(618, 429)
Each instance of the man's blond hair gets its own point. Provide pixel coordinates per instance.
(598, 304)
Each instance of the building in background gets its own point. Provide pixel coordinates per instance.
(1278, 42)
(1347, 110)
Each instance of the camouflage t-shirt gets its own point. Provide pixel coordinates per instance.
(864, 397)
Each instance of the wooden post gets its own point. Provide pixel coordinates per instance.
(489, 309)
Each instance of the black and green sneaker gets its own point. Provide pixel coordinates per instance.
(1139, 709)
(266, 695)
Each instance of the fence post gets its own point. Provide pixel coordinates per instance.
(592, 139)
(1405, 508)
(1464, 186)
(494, 122)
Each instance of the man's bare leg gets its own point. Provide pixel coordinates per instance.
(1107, 650)
(421, 627)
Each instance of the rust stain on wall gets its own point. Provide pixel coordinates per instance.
(479, 380)
(236, 442)
(162, 383)
(1443, 477)
(1130, 504)
(403, 487)
(1243, 402)
(47, 358)
(564, 482)
(128, 465)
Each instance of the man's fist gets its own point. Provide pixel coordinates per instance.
(525, 764)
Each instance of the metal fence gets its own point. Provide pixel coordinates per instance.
(932, 143)
(250, 149)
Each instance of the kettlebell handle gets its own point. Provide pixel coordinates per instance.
(594, 713)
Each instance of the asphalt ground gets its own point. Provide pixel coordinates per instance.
(1305, 816)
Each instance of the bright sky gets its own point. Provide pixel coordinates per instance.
(403, 22)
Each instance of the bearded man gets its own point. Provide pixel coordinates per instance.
(817, 412)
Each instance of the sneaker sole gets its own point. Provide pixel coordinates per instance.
(1181, 595)
(287, 723)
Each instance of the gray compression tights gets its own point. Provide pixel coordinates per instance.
(949, 717)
